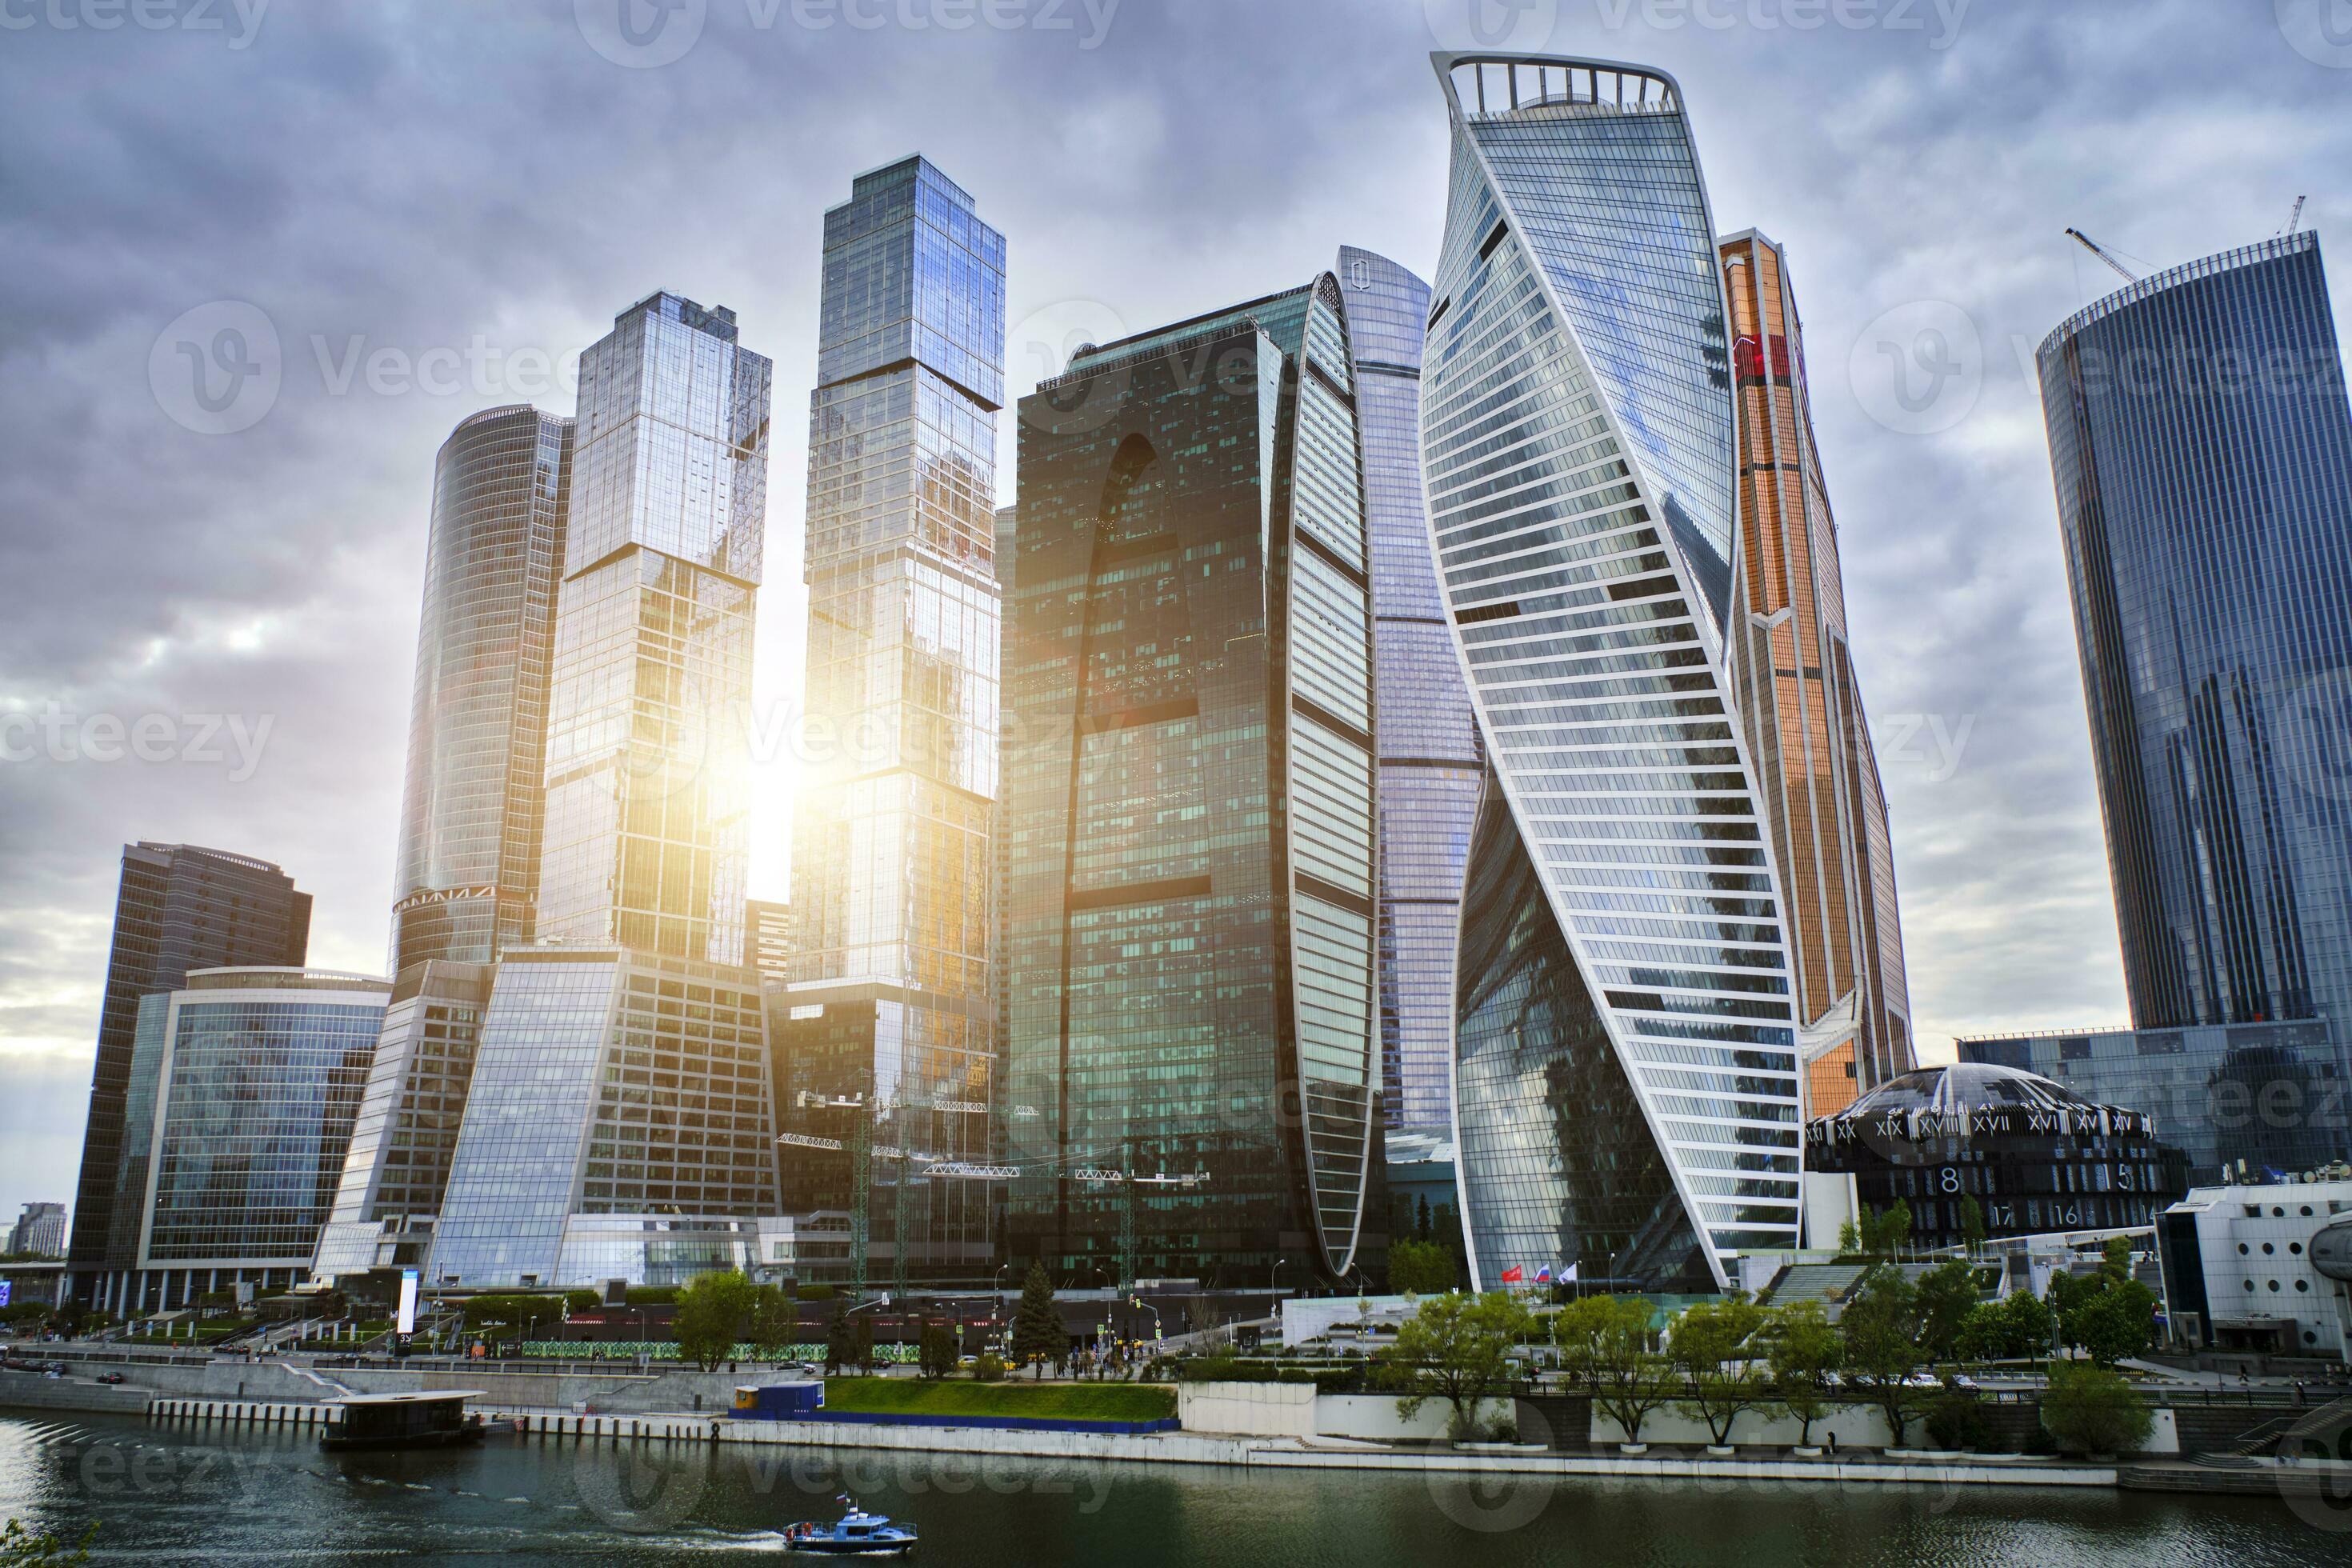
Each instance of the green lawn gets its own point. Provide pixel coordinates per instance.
(962, 1396)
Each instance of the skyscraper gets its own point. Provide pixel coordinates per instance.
(1793, 673)
(40, 1230)
(2203, 452)
(1192, 926)
(648, 773)
(1428, 740)
(467, 874)
(892, 1004)
(1626, 1070)
(179, 908)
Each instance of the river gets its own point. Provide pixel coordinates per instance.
(165, 1494)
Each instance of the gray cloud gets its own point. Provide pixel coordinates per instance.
(422, 177)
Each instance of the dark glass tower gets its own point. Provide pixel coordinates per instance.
(1626, 1071)
(468, 875)
(1428, 741)
(886, 1040)
(2203, 451)
(179, 908)
(1191, 929)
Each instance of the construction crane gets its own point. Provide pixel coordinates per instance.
(2294, 217)
(863, 1151)
(2126, 273)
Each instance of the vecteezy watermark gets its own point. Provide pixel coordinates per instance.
(237, 20)
(2314, 735)
(1514, 26)
(1043, 344)
(1938, 20)
(643, 34)
(1918, 368)
(1933, 742)
(2318, 30)
(59, 734)
(215, 369)
(220, 368)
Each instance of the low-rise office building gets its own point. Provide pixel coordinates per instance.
(2033, 1155)
(2238, 1099)
(243, 1091)
(2262, 1268)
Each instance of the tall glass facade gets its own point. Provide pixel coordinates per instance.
(407, 1131)
(255, 1092)
(1626, 1068)
(648, 766)
(1192, 926)
(466, 876)
(178, 909)
(2240, 1101)
(891, 1006)
(606, 1083)
(1793, 671)
(1428, 741)
(2203, 451)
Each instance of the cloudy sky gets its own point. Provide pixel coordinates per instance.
(409, 212)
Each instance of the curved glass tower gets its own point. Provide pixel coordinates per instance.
(2203, 452)
(1626, 1096)
(470, 818)
(1190, 928)
(1428, 742)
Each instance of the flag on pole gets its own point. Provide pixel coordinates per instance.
(1543, 1275)
(1512, 1276)
(1567, 1275)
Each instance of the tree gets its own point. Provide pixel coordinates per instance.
(1714, 1348)
(2091, 1410)
(711, 1309)
(1803, 1351)
(1456, 1347)
(936, 1356)
(1606, 1344)
(1848, 1236)
(2015, 1328)
(24, 1547)
(1972, 1224)
(1422, 1269)
(1881, 1328)
(2117, 1321)
(774, 1322)
(1037, 1331)
(840, 1342)
(1884, 1231)
(1947, 1294)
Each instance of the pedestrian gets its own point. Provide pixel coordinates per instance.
(1833, 1448)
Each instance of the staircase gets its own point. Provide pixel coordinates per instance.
(335, 1389)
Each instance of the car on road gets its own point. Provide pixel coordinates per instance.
(109, 1378)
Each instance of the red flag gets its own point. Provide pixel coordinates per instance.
(1512, 1276)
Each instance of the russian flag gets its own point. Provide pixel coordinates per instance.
(1512, 1276)
(1543, 1275)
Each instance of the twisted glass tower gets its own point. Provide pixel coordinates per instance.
(1428, 744)
(1626, 1094)
(466, 879)
(2203, 451)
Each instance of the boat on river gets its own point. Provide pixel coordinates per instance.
(407, 1420)
(854, 1534)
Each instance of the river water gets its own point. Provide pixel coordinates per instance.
(165, 1494)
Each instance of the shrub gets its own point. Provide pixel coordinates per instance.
(988, 1368)
(2091, 1410)
(1958, 1421)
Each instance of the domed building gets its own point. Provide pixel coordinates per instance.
(2036, 1156)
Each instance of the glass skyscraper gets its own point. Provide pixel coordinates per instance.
(248, 1083)
(1192, 925)
(1792, 672)
(178, 909)
(619, 1107)
(405, 1135)
(466, 876)
(648, 775)
(2203, 451)
(1626, 1070)
(1429, 756)
(887, 1030)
